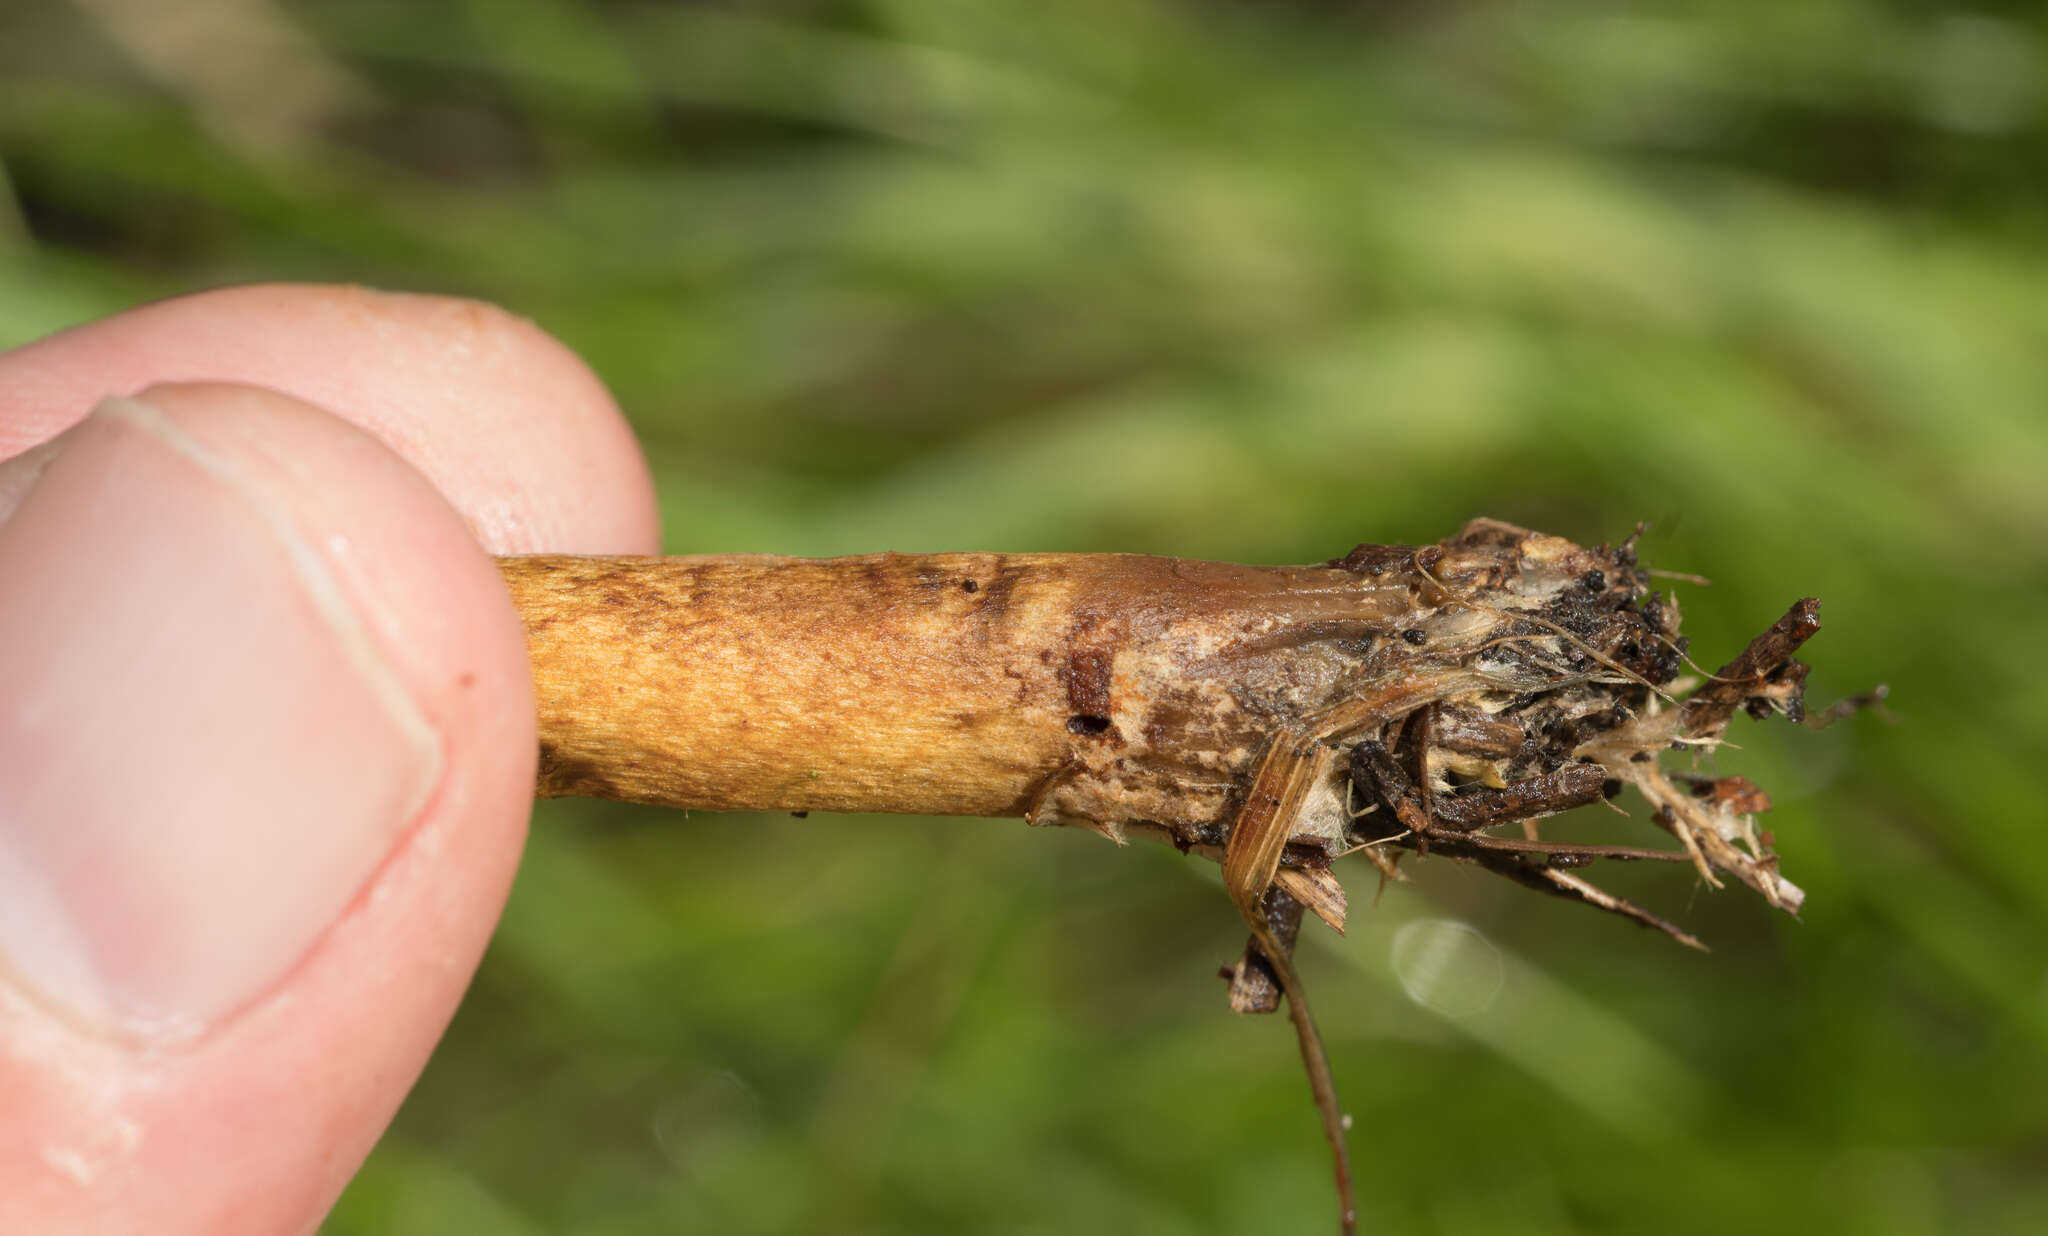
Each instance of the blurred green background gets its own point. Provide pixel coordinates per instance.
(1222, 279)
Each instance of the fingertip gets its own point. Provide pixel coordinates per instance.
(265, 765)
(511, 426)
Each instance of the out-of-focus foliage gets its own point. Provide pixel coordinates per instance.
(1222, 279)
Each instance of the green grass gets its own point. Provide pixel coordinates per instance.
(1232, 280)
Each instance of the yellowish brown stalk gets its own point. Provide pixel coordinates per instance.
(1115, 691)
(1275, 718)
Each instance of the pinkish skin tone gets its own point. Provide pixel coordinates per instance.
(239, 984)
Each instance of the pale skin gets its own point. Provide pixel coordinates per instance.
(404, 440)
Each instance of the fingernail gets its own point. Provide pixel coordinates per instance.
(203, 755)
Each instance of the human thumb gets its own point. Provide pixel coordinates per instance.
(266, 755)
